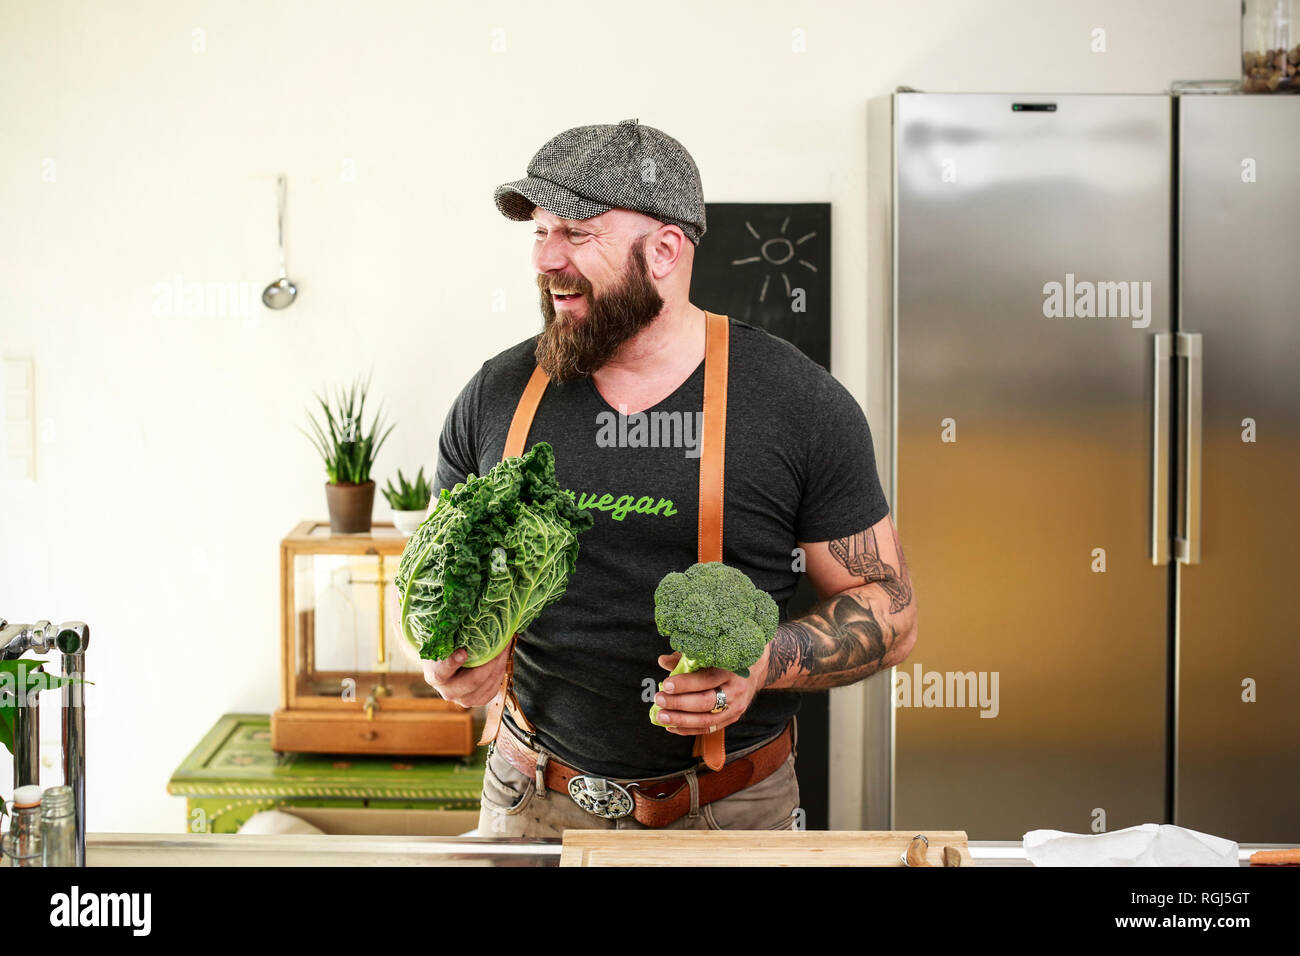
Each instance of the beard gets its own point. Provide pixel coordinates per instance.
(571, 347)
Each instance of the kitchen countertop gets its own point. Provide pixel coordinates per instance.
(232, 849)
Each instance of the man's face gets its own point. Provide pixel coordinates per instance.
(614, 298)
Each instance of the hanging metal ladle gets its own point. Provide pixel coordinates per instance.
(280, 293)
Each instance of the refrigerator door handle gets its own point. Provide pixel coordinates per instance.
(1160, 400)
(1187, 547)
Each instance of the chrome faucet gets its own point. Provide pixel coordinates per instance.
(71, 640)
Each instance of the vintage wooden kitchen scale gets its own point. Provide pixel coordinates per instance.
(342, 688)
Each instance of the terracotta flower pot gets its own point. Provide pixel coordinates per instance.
(350, 506)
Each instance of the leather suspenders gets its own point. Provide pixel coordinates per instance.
(712, 449)
(713, 440)
(515, 438)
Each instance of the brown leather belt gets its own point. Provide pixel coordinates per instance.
(657, 803)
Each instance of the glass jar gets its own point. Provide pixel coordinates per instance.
(1270, 46)
(59, 827)
(22, 841)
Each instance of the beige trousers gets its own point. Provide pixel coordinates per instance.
(513, 806)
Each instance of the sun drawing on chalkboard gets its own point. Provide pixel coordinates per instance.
(776, 251)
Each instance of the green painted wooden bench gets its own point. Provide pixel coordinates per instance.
(233, 773)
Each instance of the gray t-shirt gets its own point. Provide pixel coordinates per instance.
(799, 466)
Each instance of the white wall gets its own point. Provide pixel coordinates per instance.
(169, 464)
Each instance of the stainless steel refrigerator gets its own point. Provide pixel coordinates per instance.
(1091, 309)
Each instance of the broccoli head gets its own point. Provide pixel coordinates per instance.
(715, 616)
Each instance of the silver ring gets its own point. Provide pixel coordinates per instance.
(720, 702)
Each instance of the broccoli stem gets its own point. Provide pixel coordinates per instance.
(684, 666)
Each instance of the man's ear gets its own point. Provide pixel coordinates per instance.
(665, 248)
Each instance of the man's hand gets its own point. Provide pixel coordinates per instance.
(467, 686)
(686, 699)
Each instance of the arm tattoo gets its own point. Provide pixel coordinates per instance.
(838, 642)
(792, 647)
(860, 556)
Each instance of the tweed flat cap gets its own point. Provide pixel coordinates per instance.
(588, 170)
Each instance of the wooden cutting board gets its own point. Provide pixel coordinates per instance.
(752, 847)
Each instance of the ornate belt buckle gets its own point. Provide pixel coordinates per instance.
(600, 797)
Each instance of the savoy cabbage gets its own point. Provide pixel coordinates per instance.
(493, 553)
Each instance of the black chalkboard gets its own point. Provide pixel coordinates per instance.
(759, 262)
(748, 265)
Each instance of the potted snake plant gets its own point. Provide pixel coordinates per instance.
(348, 453)
(409, 501)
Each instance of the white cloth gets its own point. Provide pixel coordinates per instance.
(1147, 845)
(277, 821)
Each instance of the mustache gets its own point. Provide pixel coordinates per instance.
(560, 284)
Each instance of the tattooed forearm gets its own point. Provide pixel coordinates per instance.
(838, 642)
(860, 629)
(860, 556)
(791, 649)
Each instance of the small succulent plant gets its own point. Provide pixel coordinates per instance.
(409, 496)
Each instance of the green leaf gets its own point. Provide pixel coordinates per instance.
(361, 410)
(362, 462)
(27, 672)
(7, 726)
(329, 417)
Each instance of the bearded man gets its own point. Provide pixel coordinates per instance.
(617, 213)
